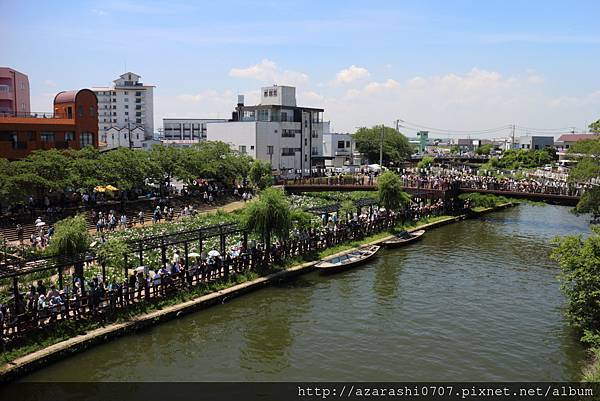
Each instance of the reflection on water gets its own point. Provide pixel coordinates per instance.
(477, 300)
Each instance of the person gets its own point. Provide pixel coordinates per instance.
(41, 288)
(141, 217)
(20, 234)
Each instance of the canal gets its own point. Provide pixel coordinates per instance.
(475, 301)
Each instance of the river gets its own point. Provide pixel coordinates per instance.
(473, 301)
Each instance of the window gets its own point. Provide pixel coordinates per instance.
(69, 136)
(283, 116)
(138, 93)
(86, 139)
(270, 150)
(126, 99)
(242, 149)
(114, 107)
(266, 93)
(139, 114)
(251, 147)
(287, 152)
(47, 136)
(340, 145)
(314, 151)
(92, 111)
(126, 106)
(138, 100)
(138, 107)
(347, 144)
(305, 158)
(114, 120)
(126, 113)
(127, 93)
(288, 133)
(138, 120)
(305, 142)
(69, 112)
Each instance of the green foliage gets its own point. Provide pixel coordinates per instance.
(112, 252)
(514, 159)
(484, 149)
(587, 154)
(390, 192)
(595, 127)
(52, 171)
(260, 174)
(454, 149)
(579, 261)
(483, 200)
(425, 162)
(70, 236)
(396, 147)
(268, 215)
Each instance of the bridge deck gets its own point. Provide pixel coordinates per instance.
(437, 193)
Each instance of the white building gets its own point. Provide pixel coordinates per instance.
(339, 150)
(128, 104)
(129, 138)
(186, 129)
(276, 130)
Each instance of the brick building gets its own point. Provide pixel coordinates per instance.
(72, 125)
(14, 92)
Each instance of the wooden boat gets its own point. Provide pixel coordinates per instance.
(348, 259)
(403, 238)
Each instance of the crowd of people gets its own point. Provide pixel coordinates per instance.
(81, 298)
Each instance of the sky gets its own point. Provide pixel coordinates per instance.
(466, 68)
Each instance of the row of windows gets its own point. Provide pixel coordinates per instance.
(114, 93)
(270, 92)
(290, 133)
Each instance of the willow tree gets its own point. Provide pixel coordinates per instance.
(269, 215)
(391, 195)
(71, 238)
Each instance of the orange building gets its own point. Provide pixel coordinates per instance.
(72, 125)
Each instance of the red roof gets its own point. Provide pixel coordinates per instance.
(577, 137)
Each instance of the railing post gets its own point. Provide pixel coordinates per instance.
(16, 294)
(104, 272)
(60, 279)
(141, 250)
(126, 264)
(163, 253)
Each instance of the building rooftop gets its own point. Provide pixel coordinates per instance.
(577, 137)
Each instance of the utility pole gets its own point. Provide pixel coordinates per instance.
(129, 133)
(512, 145)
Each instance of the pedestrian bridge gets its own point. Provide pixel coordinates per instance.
(429, 192)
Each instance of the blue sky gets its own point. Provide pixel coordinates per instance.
(457, 65)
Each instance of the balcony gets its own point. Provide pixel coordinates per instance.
(342, 152)
(18, 114)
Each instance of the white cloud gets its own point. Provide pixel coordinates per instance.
(268, 71)
(476, 99)
(350, 74)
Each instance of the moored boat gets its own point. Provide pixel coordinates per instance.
(403, 238)
(348, 259)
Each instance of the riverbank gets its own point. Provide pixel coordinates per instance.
(35, 360)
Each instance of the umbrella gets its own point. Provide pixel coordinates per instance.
(93, 244)
(193, 254)
(111, 188)
(100, 188)
(40, 224)
(139, 269)
(214, 253)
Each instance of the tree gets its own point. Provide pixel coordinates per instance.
(454, 149)
(587, 154)
(396, 147)
(268, 215)
(390, 191)
(425, 162)
(71, 238)
(260, 174)
(125, 168)
(212, 159)
(42, 172)
(165, 161)
(579, 261)
(595, 127)
(484, 149)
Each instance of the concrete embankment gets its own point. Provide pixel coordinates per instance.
(36, 360)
